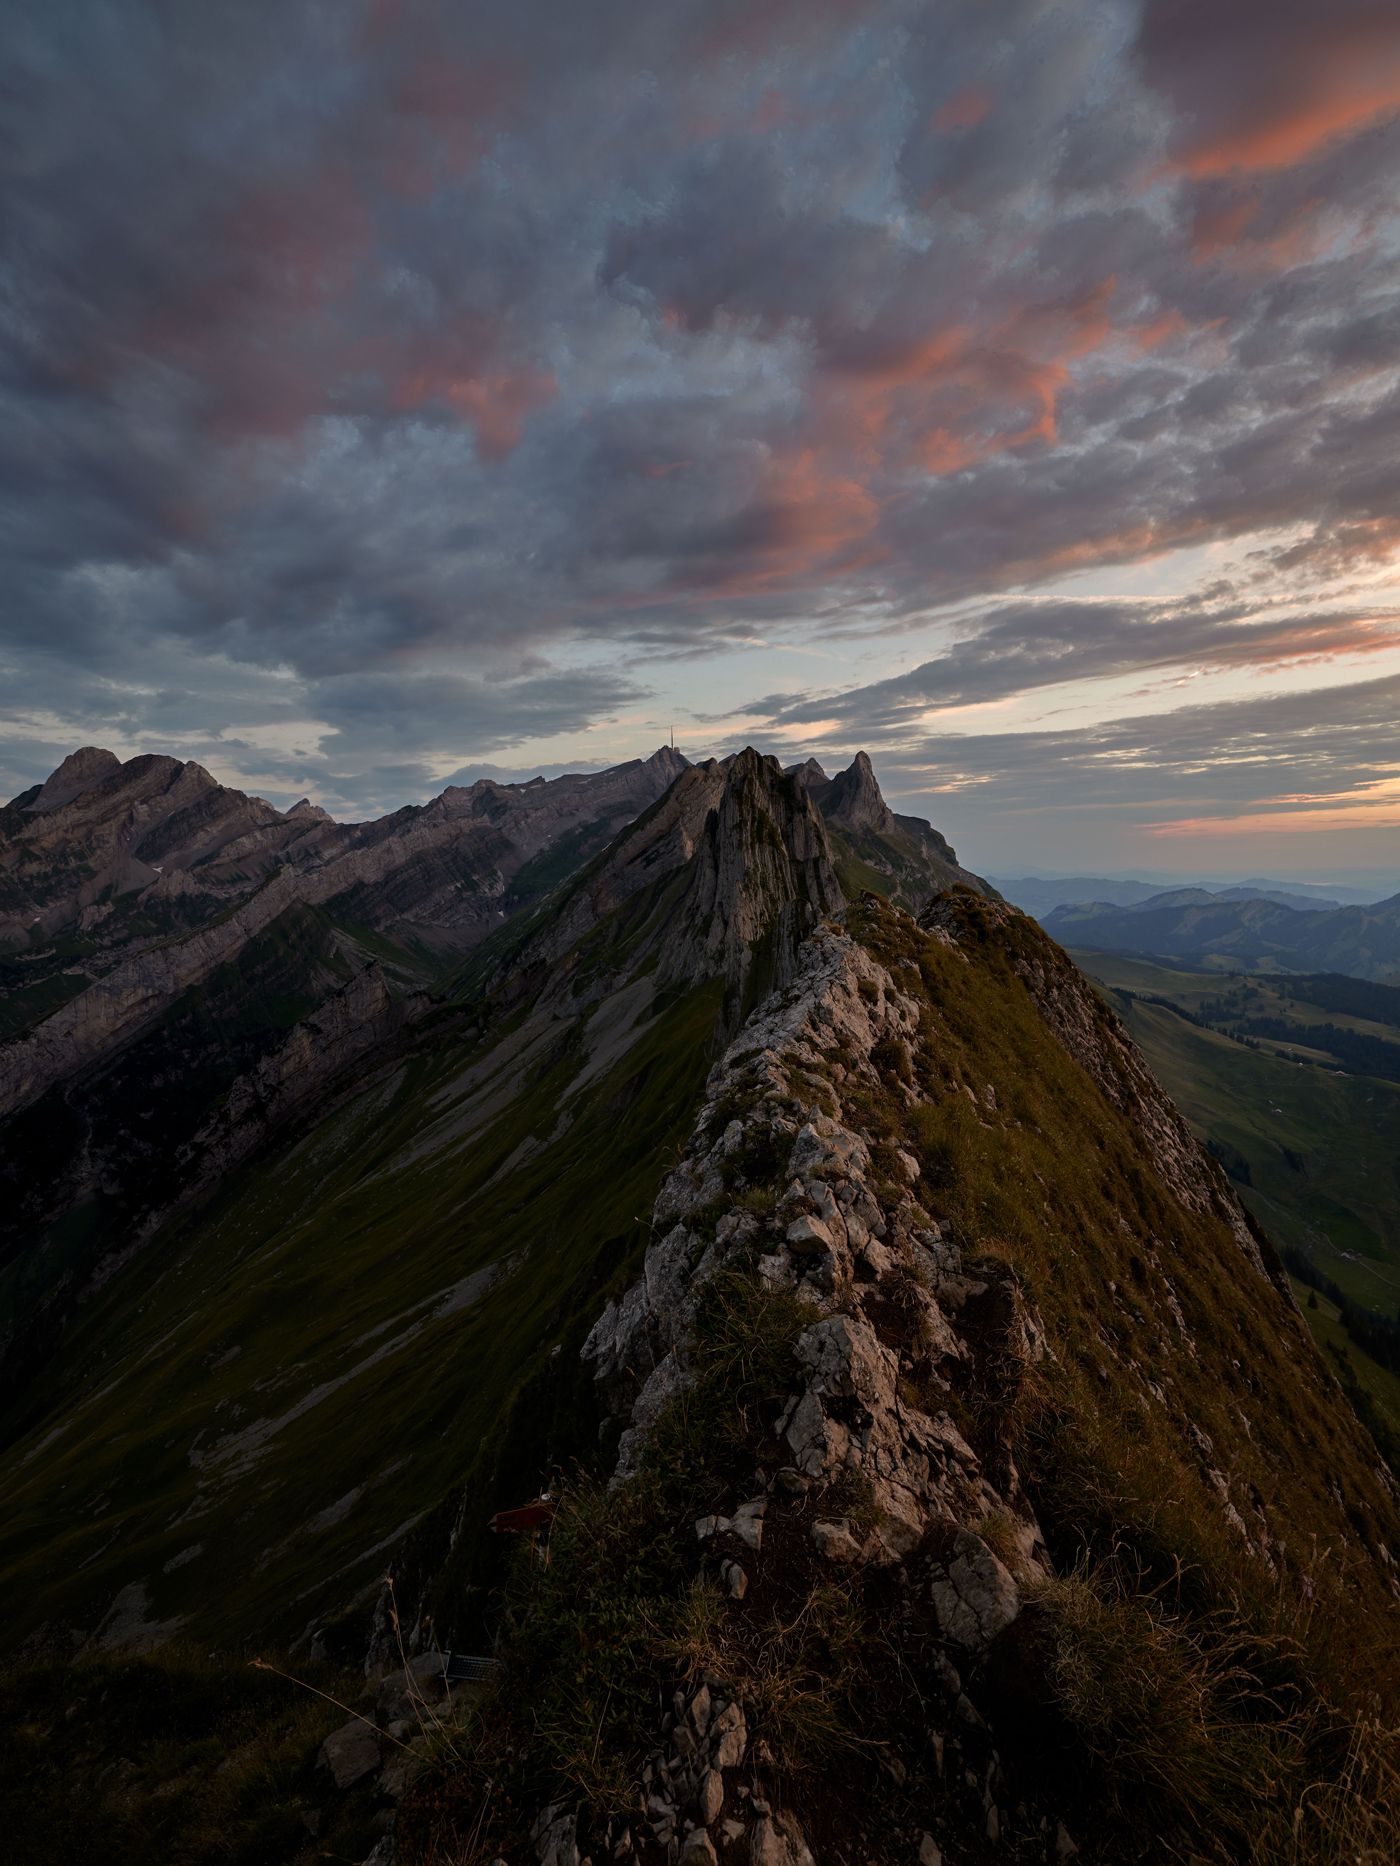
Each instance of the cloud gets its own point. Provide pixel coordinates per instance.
(1022, 646)
(1202, 779)
(1262, 84)
(363, 356)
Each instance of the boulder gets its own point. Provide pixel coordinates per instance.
(777, 1840)
(351, 1753)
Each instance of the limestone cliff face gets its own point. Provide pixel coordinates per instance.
(762, 876)
(725, 876)
(100, 831)
(853, 799)
(168, 875)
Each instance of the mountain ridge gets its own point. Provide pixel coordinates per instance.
(1363, 941)
(911, 1385)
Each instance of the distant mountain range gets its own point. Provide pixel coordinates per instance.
(1041, 894)
(1238, 931)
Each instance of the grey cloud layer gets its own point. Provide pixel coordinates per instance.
(395, 362)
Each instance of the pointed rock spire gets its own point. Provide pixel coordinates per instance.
(853, 799)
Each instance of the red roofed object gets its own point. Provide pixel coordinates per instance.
(529, 1516)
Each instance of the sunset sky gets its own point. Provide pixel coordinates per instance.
(1010, 388)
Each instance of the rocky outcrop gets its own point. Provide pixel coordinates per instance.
(762, 877)
(852, 799)
(911, 859)
(79, 771)
(874, 1472)
(723, 877)
(837, 1241)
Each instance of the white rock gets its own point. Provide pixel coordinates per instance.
(710, 1799)
(974, 1595)
(729, 1738)
(747, 1523)
(777, 1841)
(835, 1542)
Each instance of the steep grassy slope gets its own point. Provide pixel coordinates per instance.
(277, 1390)
(274, 1394)
(1321, 1149)
(80, 1167)
(1315, 1153)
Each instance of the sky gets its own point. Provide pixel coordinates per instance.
(1010, 388)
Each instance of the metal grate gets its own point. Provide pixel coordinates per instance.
(464, 1669)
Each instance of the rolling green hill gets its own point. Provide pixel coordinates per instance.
(1314, 1151)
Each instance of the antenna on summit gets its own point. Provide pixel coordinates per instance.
(673, 738)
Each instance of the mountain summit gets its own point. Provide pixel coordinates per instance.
(853, 798)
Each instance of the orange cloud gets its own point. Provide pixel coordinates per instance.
(964, 110)
(807, 521)
(959, 395)
(1285, 139)
(1158, 330)
(1370, 806)
(1335, 550)
(497, 403)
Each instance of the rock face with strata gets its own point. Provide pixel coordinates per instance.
(100, 832)
(165, 875)
(723, 877)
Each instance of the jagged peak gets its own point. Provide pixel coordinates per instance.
(853, 798)
(758, 875)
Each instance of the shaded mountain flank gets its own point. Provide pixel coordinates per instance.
(943, 1470)
(170, 949)
(1254, 933)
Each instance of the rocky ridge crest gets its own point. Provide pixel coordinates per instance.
(867, 1474)
(894, 1309)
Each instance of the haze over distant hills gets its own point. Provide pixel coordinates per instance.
(1039, 894)
(1238, 931)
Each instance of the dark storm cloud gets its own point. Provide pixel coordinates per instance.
(415, 367)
